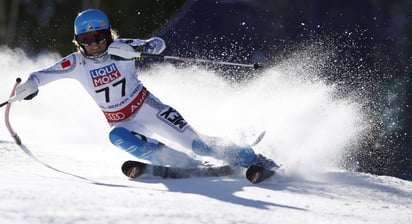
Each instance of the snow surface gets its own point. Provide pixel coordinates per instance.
(308, 129)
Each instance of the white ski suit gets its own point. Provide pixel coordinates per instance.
(134, 113)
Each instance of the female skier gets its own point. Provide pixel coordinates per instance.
(133, 112)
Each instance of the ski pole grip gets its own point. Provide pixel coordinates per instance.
(18, 80)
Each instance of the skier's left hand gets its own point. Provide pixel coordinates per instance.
(154, 45)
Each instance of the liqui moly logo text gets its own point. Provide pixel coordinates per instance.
(104, 75)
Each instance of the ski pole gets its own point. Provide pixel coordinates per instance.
(12, 98)
(7, 114)
(127, 52)
(199, 60)
(27, 150)
(4, 103)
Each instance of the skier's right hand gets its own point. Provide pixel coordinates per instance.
(26, 90)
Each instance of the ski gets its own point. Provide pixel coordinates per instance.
(257, 174)
(134, 169)
(258, 139)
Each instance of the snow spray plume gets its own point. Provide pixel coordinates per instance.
(308, 126)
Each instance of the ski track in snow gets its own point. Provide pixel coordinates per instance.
(307, 131)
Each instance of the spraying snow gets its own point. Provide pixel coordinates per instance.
(308, 127)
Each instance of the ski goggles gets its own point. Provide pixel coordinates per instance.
(98, 37)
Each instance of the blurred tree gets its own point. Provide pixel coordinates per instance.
(3, 21)
(47, 25)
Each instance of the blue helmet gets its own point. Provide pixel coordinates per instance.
(90, 20)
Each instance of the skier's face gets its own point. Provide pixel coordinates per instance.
(94, 43)
(96, 49)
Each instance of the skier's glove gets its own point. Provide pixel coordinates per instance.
(154, 45)
(27, 90)
(145, 48)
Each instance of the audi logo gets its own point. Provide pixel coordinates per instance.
(116, 116)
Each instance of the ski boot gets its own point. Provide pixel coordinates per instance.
(261, 169)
